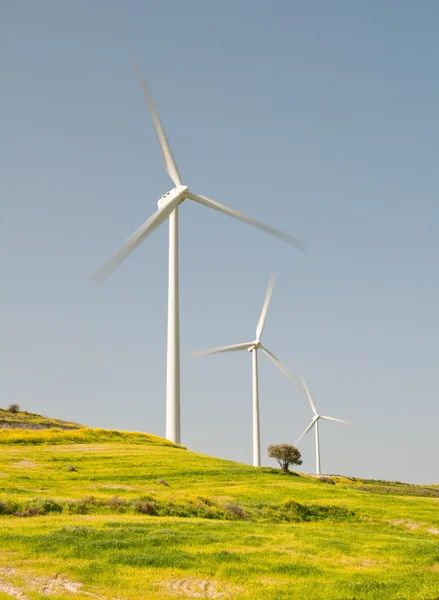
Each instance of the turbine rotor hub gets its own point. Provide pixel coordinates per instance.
(181, 192)
(255, 346)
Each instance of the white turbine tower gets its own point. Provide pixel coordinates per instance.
(253, 347)
(168, 207)
(315, 423)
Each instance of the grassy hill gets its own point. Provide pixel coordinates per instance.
(25, 420)
(108, 514)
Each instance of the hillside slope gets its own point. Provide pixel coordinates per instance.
(25, 420)
(128, 515)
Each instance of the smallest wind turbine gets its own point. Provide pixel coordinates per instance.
(315, 423)
(253, 347)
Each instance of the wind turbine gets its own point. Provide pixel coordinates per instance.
(315, 423)
(253, 347)
(168, 207)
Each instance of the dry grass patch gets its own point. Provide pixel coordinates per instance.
(433, 530)
(24, 464)
(113, 486)
(406, 523)
(198, 588)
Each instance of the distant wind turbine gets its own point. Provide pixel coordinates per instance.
(315, 423)
(168, 207)
(253, 347)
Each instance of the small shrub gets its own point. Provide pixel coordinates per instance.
(116, 502)
(71, 468)
(88, 500)
(44, 506)
(296, 511)
(163, 482)
(32, 511)
(292, 511)
(236, 510)
(204, 501)
(76, 508)
(9, 507)
(326, 479)
(14, 408)
(146, 508)
(82, 506)
(404, 490)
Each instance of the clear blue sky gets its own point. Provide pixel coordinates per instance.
(319, 118)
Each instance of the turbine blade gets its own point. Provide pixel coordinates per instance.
(336, 420)
(133, 242)
(279, 365)
(308, 395)
(305, 432)
(168, 157)
(268, 295)
(237, 215)
(233, 348)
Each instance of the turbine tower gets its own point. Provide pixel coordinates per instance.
(168, 207)
(315, 423)
(253, 347)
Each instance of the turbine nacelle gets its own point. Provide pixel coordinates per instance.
(255, 346)
(181, 192)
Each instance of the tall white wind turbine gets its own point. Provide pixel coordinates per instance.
(315, 423)
(168, 207)
(253, 347)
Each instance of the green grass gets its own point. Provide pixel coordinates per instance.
(32, 420)
(80, 435)
(291, 536)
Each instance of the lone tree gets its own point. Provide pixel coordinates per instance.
(285, 454)
(14, 408)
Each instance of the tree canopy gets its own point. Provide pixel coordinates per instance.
(285, 454)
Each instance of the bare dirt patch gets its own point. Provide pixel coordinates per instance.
(413, 526)
(197, 588)
(8, 588)
(114, 486)
(352, 561)
(223, 498)
(406, 523)
(50, 586)
(433, 530)
(12, 590)
(24, 464)
(57, 585)
(367, 562)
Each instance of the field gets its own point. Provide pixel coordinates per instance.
(111, 515)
